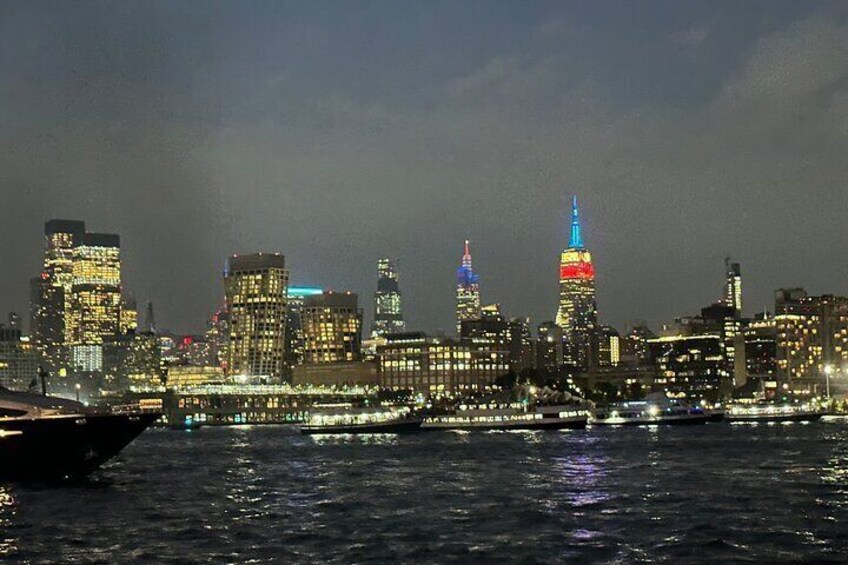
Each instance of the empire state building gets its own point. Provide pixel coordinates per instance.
(577, 314)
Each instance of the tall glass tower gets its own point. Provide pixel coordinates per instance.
(388, 312)
(467, 290)
(733, 286)
(577, 314)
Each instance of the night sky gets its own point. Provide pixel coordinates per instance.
(339, 132)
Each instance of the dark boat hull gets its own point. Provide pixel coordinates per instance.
(66, 446)
(408, 426)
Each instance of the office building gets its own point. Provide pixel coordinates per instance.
(332, 328)
(95, 299)
(609, 347)
(132, 360)
(433, 365)
(812, 334)
(690, 366)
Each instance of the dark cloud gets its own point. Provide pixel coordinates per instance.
(337, 134)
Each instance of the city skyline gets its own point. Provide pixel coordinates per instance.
(419, 149)
(575, 230)
(391, 281)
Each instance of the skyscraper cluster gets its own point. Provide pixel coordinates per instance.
(77, 301)
(84, 329)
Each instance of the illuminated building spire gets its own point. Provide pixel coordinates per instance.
(576, 241)
(467, 290)
(577, 314)
(466, 256)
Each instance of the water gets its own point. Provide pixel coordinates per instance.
(731, 493)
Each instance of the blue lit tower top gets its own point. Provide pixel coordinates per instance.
(576, 241)
(465, 275)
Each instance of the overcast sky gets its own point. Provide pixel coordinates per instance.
(339, 132)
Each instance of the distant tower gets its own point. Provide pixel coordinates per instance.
(577, 314)
(150, 319)
(467, 290)
(388, 313)
(733, 286)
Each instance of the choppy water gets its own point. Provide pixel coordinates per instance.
(765, 494)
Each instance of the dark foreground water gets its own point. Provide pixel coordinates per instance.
(717, 493)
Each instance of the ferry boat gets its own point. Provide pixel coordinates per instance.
(511, 416)
(44, 437)
(765, 412)
(655, 410)
(361, 420)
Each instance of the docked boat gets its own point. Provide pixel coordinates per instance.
(715, 414)
(765, 412)
(44, 437)
(511, 416)
(361, 420)
(655, 410)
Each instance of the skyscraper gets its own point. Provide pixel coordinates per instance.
(388, 312)
(609, 347)
(467, 290)
(577, 314)
(256, 294)
(51, 291)
(95, 299)
(733, 286)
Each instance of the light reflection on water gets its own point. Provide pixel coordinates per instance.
(356, 439)
(605, 495)
(7, 513)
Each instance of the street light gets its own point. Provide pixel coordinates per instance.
(828, 370)
(78, 387)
